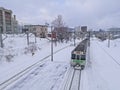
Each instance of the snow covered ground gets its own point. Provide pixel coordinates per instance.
(101, 73)
(51, 71)
(103, 69)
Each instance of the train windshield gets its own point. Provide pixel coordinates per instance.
(82, 57)
(73, 56)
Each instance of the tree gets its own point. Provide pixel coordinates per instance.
(58, 22)
(60, 28)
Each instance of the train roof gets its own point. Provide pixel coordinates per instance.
(81, 46)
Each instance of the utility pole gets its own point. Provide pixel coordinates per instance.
(35, 37)
(108, 39)
(51, 44)
(74, 37)
(51, 40)
(89, 38)
(1, 40)
(27, 32)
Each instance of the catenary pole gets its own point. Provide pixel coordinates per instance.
(51, 44)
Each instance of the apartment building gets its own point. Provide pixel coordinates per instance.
(7, 22)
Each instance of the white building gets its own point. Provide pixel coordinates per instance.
(40, 30)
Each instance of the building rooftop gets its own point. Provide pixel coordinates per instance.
(1, 8)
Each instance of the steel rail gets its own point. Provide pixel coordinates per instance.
(79, 80)
(66, 84)
(70, 81)
(73, 78)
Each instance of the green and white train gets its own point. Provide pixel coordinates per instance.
(78, 55)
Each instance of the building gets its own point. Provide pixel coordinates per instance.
(39, 30)
(80, 31)
(114, 33)
(84, 29)
(7, 22)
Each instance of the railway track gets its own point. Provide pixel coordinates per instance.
(73, 80)
(17, 76)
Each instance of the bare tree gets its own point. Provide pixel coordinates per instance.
(60, 29)
(58, 22)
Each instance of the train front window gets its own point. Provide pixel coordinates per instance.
(82, 57)
(73, 56)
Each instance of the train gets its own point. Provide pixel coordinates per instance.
(78, 55)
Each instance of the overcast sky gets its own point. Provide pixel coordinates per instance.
(93, 13)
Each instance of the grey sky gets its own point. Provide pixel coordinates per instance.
(93, 13)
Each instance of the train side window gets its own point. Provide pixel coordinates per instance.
(73, 56)
(82, 57)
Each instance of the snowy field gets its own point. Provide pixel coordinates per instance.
(103, 68)
(101, 73)
(49, 73)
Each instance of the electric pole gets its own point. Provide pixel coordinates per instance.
(74, 37)
(108, 39)
(1, 40)
(51, 44)
(27, 32)
(35, 34)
